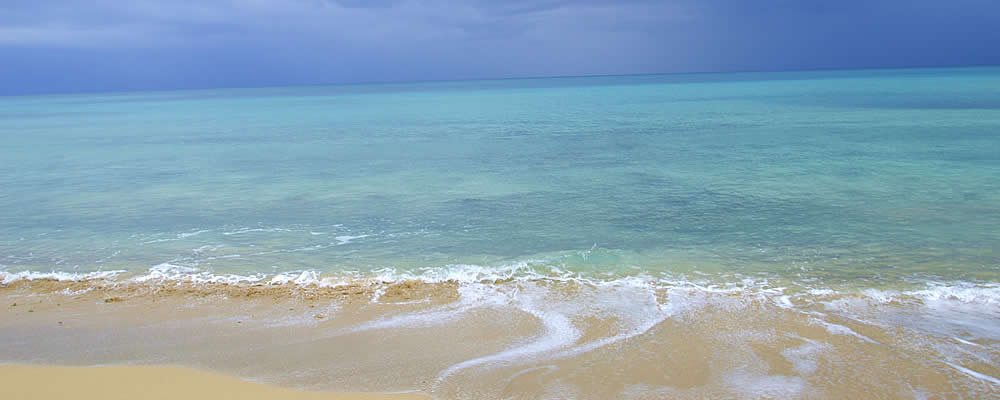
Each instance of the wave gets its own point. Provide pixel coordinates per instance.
(7, 277)
(976, 304)
(783, 292)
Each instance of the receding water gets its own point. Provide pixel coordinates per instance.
(856, 177)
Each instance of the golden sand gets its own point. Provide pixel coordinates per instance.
(506, 340)
(151, 383)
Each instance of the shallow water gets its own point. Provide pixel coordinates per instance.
(868, 196)
(846, 174)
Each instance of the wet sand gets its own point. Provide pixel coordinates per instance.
(503, 340)
(151, 383)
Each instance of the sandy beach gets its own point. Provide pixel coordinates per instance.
(24, 382)
(499, 340)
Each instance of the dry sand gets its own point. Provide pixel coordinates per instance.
(19, 382)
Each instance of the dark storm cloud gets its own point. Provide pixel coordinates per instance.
(67, 45)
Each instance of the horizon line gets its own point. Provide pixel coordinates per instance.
(531, 77)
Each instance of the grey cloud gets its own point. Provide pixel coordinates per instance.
(348, 19)
(258, 42)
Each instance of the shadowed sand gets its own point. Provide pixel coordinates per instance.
(151, 383)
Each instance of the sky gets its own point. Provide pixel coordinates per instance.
(54, 46)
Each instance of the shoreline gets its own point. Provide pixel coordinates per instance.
(520, 338)
(31, 382)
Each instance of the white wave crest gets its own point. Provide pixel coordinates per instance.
(167, 272)
(10, 277)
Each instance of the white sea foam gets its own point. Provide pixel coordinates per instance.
(462, 273)
(639, 314)
(988, 294)
(253, 230)
(974, 298)
(974, 374)
(303, 278)
(10, 277)
(190, 234)
(167, 272)
(821, 292)
(345, 239)
(558, 332)
(784, 301)
(837, 329)
(963, 292)
(179, 236)
(538, 270)
(69, 292)
(470, 297)
(768, 386)
(205, 248)
(804, 357)
(112, 255)
(436, 316)
(631, 302)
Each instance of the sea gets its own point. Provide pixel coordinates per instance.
(870, 194)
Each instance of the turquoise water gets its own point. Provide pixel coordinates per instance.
(859, 177)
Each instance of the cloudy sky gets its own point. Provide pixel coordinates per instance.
(97, 45)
